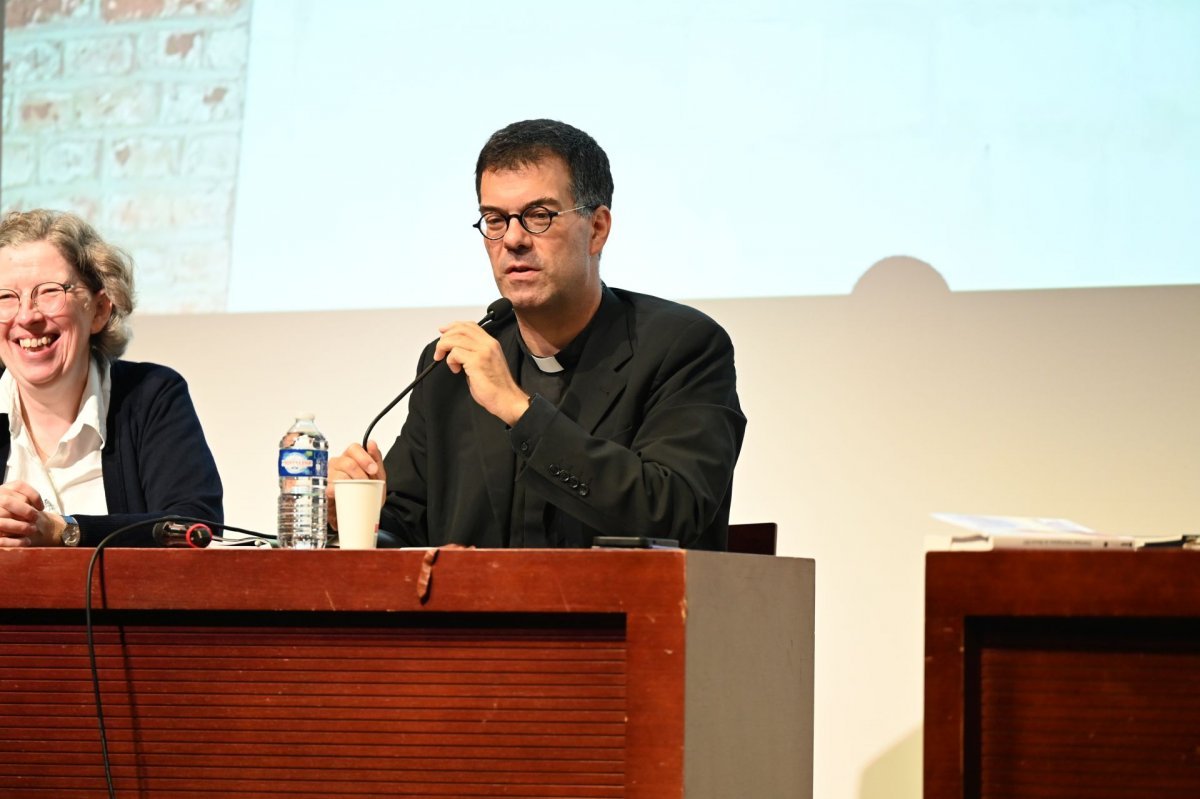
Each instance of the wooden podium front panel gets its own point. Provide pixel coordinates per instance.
(321, 674)
(318, 705)
(1075, 708)
(524, 674)
(1062, 675)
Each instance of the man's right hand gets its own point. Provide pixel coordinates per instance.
(355, 463)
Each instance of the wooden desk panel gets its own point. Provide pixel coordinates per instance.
(319, 674)
(1072, 675)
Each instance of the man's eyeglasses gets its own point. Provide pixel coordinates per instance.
(536, 219)
(49, 298)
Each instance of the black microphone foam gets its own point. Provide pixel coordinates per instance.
(182, 534)
(497, 312)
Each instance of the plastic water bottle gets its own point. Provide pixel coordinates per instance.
(303, 469)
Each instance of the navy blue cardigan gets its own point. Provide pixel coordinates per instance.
(155, 458)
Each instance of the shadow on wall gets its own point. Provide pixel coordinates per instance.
(900, 275)
(896, 774)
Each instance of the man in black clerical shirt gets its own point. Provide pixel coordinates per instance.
(590, 411)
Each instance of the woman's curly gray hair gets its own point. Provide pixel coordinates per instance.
(101, 266)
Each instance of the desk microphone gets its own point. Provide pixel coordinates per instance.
(497, 312)
(182, 534)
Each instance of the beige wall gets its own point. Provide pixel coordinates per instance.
(866, 412)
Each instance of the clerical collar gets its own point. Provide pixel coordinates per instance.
(569, 356)
(563, 360)
(549, 364)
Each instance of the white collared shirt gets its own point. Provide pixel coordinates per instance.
(71, 481)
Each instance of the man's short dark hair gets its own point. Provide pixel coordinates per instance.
(533, 140)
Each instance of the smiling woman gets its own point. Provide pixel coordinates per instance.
(90, 443)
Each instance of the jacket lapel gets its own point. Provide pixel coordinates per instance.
(598, 380)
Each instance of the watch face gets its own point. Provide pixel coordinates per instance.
(71, 535)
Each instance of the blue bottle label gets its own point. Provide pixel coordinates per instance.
(303, 463)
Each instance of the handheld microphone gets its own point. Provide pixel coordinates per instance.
(497, 312)
(182, 534)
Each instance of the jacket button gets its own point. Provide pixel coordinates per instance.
(565, 476)
(524, 446)
(583, 489)
(573, 482)
(554, 470)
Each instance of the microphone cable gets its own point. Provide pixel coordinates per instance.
(497, 312)
(90, 630)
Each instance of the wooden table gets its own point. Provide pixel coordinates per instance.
(1064, 674)
(531, 673)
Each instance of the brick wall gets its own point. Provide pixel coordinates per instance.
(129, 112)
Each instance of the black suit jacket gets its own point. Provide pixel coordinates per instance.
(644, 441)
(155, 459)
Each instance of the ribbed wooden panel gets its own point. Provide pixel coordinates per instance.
(1115, 722)
(355, 711)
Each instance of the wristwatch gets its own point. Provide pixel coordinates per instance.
(71, 533)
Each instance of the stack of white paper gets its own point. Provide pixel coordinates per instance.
(1027, 532)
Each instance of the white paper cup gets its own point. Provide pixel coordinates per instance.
(357, 503)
